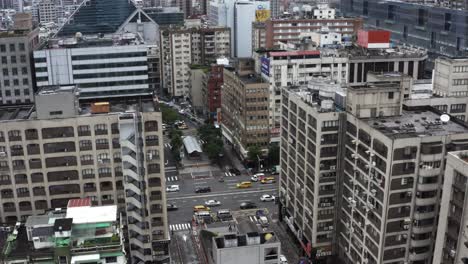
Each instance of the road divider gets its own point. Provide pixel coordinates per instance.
(223, 193)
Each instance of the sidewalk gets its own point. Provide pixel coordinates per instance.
(288, 246)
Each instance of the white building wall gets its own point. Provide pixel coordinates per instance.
(244, 15)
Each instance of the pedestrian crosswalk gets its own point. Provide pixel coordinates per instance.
(179, 227)
(228, 174)
(172, 178)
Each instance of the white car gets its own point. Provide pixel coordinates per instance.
(267, 198)
(212, 203)
(172, 188)
(282, 259)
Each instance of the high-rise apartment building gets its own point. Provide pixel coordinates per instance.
(109, 66)
(244, 109)
(393, 168)
(440, 30)
(238, 16)
(341, 66)
(48, 11)
(183, 47)
(390, 160)
(16, 76)
(452, 243)
(310, 138)
(290, 30)
(448, 91)
(108, 151)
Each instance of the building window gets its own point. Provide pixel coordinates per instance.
(22, 47)
(458, 108)
(460, 81)
(5, 72)
(13, 59)
(2, 48)
(23, 58)
(390, 95)
(55, 113)
(12, 47)
(14, 71)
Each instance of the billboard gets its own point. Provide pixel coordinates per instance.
(265, 66)
(262, 15)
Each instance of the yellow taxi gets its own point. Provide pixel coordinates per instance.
(268, 180)
(199, 208)
(245, 184)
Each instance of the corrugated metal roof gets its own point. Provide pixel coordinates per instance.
(79, 202)
(191, 145)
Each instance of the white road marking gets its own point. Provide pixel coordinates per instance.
(223, 193)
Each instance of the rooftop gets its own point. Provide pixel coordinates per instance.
(192, 145)
(92, 214)
(416, 123)
(251, 78)
(28, 112)
(356, 53)
(96, 40)
(98, 16)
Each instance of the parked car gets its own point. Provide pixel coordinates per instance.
(199, 208)
(244, 185)
(235, 171)
(172, 188)
(267, 198)
(282, 259)
(248, 205)
(212, 203)
(172, 207)
(203, 189)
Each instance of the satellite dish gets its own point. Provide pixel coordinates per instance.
(444, 118)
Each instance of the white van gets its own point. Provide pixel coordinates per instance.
(257, 177)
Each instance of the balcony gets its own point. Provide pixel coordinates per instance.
(424, 215)
(420, 243)
(429, 172)
(413, 256)
(427, 187)
(105, 174)
(432, 157)
(422, 229)
(426, 201)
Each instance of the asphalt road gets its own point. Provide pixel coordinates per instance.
(225, 192)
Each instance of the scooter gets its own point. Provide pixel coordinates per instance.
(221, 179)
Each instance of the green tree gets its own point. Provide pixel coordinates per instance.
(212, 138)
(214, 149)
(254, 152)
(169, 115)
(273, 154)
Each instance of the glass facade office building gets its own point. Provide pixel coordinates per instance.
(441, 31)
